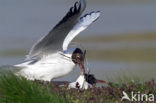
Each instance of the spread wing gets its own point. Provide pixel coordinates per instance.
(83, 23)
(53, 41)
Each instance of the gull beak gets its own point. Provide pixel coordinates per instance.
(100, 81)
(81, 65)
(78, 57)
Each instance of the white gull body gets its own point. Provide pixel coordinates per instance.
(48, 68)
(81, 82)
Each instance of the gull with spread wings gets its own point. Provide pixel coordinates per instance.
(50, 57)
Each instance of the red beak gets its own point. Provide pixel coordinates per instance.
(100, 81)
(82, 67)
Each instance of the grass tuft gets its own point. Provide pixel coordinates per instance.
(19, 90)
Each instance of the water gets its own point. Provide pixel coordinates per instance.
(24, 22)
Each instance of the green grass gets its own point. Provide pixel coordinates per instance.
(19, 90)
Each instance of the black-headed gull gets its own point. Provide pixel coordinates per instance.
(50, 57)
(84, 81)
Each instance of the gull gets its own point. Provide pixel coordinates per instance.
(84, 81)
(50, 57)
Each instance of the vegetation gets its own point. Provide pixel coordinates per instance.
(19, 90)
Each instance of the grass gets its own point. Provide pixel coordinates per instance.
(19, 90)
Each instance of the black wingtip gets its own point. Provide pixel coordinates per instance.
(78, 8)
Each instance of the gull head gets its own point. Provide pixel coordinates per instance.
(78, 57)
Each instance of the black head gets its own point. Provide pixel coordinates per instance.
(90, 78)
(78, 56)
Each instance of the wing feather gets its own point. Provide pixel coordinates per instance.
(53, 41)
(83, 23)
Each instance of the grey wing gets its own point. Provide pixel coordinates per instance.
(53, 41)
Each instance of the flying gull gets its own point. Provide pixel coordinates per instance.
(50, 57)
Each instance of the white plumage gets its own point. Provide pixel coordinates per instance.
(49, 57)
(80, 82)
(83, 23)
(50, 67)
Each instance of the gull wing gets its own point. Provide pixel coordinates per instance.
(83, 23)
(53, 41)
